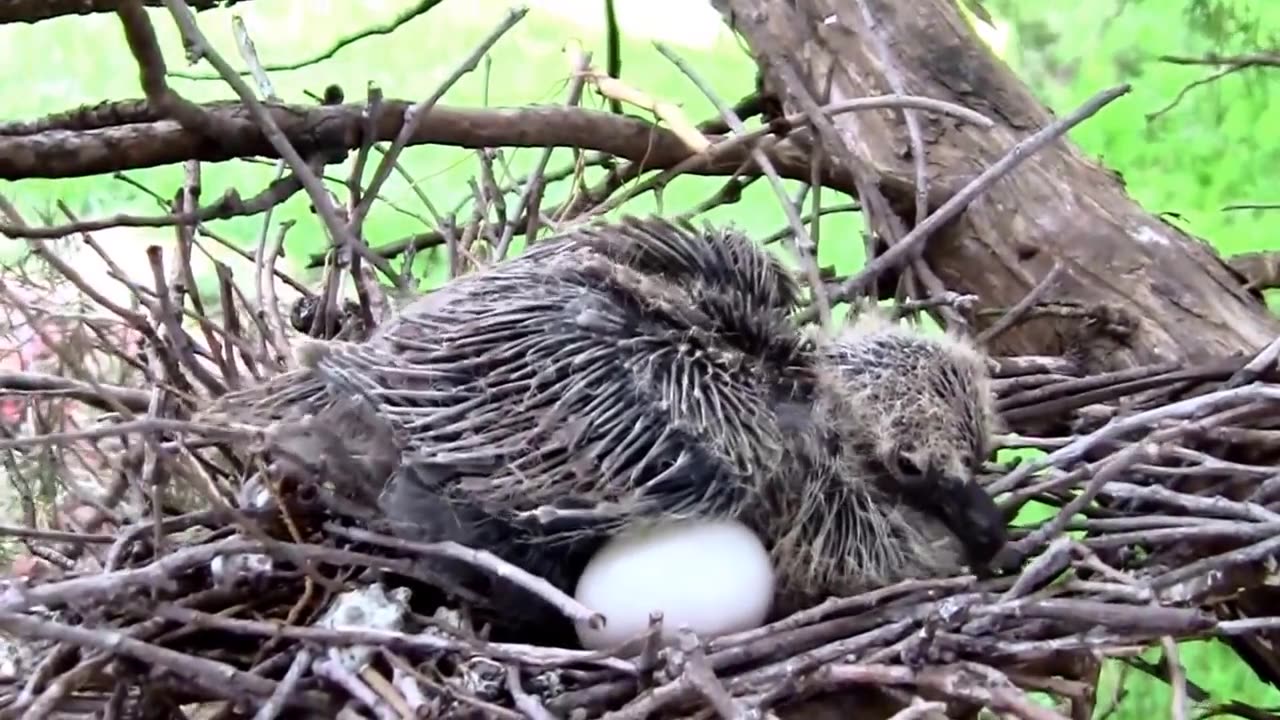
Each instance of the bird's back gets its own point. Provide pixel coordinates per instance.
(619, 371)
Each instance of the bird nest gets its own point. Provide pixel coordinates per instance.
(1151, 492)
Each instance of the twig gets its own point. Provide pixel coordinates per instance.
(157, 574)
(580, 64)
(958, 202)
(414, 115)
(55, 535)
(1009, 319)
(1177, 680)
(541, 657)
(526, 703)
(958, 682)
(288, 685)
(897, 83)
(487, 562)
(338, 673)
(1261, 363)
(420, 8)
(804, 248)
(320, 199)
(1109, 472)
(1120, 426)
(219, 678)
(704, 679)
(1231, 65)
(105, 397)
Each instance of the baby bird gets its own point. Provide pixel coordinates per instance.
(643, 370)
(910, 419)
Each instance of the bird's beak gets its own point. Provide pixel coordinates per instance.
(973, 517)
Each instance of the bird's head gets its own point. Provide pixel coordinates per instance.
(921, 415)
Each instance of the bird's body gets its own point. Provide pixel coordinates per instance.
(625, 373)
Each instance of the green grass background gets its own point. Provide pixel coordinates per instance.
(1220, 146)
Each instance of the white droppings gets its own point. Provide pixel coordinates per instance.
(1147, 236)
(371, 608)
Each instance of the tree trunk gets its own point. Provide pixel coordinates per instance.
(1173, 297)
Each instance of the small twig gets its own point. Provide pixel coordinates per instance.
(157, 574)
(320, 198)
(390, 26)
(1231, 65)
(288, 684)
(897, 83)
(1120, 426)
(219, 678)
(704, 679)
(1177, 679)
(1262, 363)
(487, 562)
(1114, 467)
(525, 702)
(919, 709)
(534, 656)
(958, 202)
(415, 114)
(804, 248)
(55, 535)
(1009, 319)
(338, 673)
(581, 61)
(958, 682)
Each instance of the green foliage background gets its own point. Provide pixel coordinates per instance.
(1219, 146)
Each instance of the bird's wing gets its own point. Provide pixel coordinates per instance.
(722, 260)
(568, 391)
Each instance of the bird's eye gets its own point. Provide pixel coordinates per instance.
(907, 467)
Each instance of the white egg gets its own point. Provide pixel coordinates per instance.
(714, 577)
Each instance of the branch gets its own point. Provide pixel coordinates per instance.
(146, 142)
(55, 154)
(33, 11)
(1268, 59)
(420, 8)
(228, 206)
(1227, 65)
(39, 383)
(958, 202)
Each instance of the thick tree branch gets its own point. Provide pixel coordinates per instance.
(31, 11)
(89, 142)
(1178, 298)
(59, 154)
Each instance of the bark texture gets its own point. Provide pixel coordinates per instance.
(1152, 292)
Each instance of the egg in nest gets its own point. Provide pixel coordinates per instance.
(712, 576)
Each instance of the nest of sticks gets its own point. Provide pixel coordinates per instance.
(185, 589)
(168, 588)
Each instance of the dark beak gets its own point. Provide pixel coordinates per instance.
(975, 519)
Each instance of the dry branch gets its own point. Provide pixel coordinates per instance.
(149, 142)
(30, 11)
